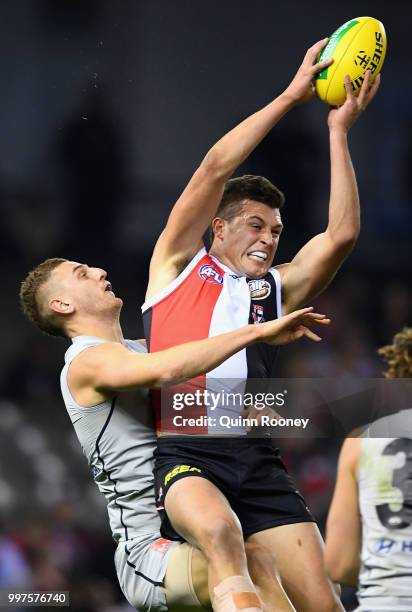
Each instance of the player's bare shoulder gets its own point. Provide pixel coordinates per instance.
(85, 373)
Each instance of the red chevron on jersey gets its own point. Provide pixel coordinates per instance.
(205, 300)
(183, 315)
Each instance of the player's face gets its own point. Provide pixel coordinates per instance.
(251, 239)
(85, 287)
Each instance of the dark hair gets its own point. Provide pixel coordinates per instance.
(247, 187)
(398, 355)
(29, 303)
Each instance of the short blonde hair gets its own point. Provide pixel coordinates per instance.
(29, 293)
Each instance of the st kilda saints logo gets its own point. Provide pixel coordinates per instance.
(209, 274)
(259, 289)
(257, 313)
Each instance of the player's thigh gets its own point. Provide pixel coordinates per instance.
(199, 511)
(186, 579)
(299, 560)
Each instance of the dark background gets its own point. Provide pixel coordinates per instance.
(106, 110)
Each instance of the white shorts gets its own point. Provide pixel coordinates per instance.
(154, 572)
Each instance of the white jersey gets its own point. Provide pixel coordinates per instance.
(119, 449)
(118, 439)
(385, 502)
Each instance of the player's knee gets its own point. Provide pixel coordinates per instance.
(326, 599)
(222, 535)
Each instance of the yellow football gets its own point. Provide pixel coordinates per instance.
(358, 45)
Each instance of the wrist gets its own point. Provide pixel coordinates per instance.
(289, 99)
(255, 333)
(338, 131)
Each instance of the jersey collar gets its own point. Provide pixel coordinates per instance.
(225, 268)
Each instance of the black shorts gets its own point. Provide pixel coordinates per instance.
(248, 471)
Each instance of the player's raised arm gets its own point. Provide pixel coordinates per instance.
(110, 367)
(343, 530)
(196, 207)
(315, 265)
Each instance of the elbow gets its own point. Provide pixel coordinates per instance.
(160, 379)
(344, 241)
(350, 237)
(347, 243)
(340, 570)
(215, 166)
(167, 376)
(336, 572)
(157, 374)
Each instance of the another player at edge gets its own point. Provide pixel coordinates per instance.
(369, 526)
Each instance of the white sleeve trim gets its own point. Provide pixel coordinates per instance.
(278, 282)
(160, 295)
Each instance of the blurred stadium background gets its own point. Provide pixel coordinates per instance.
(106, 109)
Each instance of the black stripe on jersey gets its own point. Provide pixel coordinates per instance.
(106, 471)
(154, 582)
(105, 426)
(117, 494)
(147, 326)
(261, 357)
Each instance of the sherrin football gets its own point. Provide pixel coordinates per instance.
(358, 45)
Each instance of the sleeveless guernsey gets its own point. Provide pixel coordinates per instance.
(118, 446)
(205, 300)
(385, 502)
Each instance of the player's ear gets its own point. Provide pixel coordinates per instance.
(61, 305)
(218, 227)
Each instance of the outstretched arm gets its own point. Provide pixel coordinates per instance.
(343, 529)
(317, 262)
(110, 367)
(196, 207)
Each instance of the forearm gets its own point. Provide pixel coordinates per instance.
(193, 358)
(344, 211)
(343, 541)
(344, 571)
(112, 367)
(231, 150)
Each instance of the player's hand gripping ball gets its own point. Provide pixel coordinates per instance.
(358, 45)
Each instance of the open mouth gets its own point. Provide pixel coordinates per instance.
(109, 288)
(260, 256)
